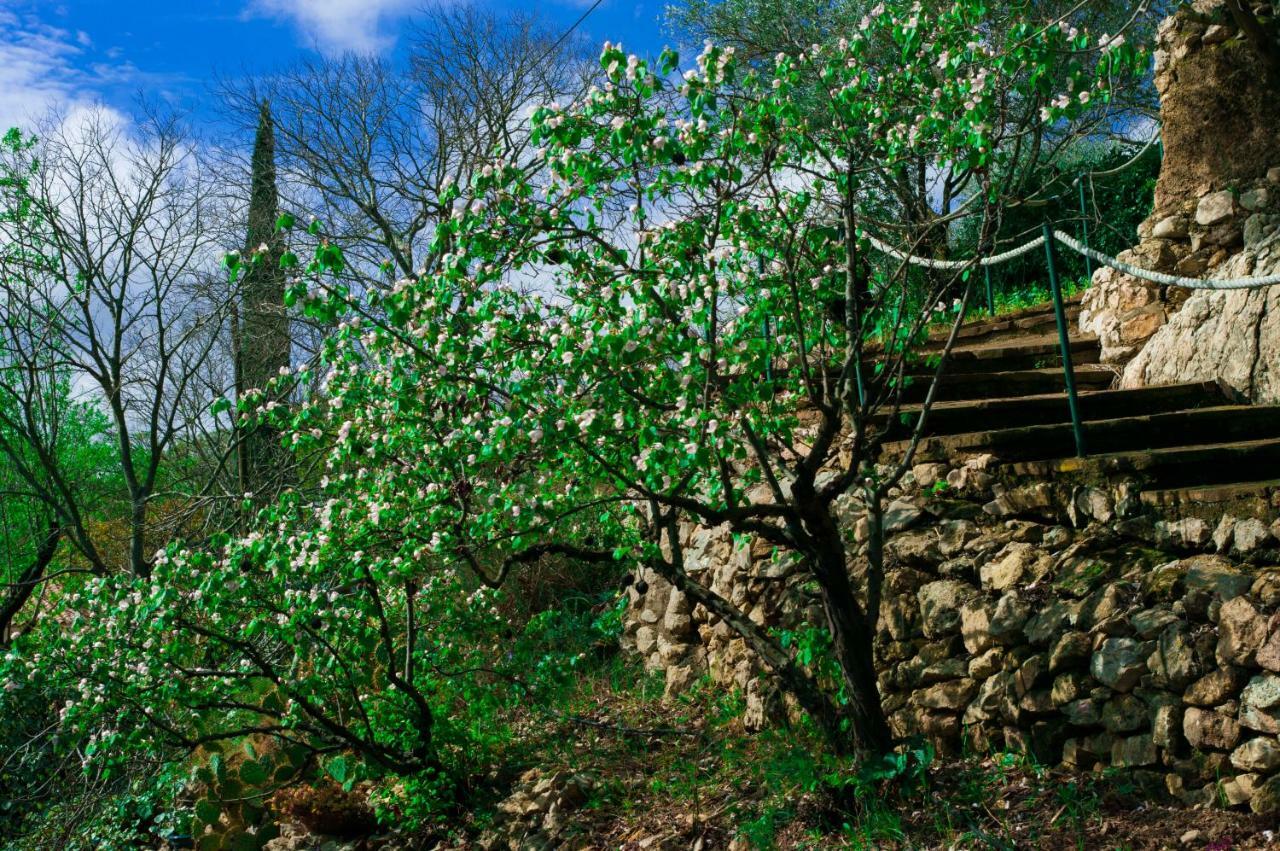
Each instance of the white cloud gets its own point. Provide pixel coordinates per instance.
(46, 69)
(338, 25)
(37, 69)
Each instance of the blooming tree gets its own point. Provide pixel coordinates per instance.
(637, 330)
(668, 316)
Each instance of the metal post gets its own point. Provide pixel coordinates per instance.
(1084, 227)
(1068, 373)
(991, 299)
(857, 363)
(768, 347)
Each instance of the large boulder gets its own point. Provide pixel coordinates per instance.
(1214, 216)
(1260, 704)
(1173, 663)
(1266, 797)
(1215, 687)
(940, 604)
(1208, 730)
(1215, 575)
(1261, 754)
(1020, 564)
(1241, 632)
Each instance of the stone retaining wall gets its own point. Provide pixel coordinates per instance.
(1072, 626)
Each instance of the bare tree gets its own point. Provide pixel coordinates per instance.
(105, 283)
(369, 146)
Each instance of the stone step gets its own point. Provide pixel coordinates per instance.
(1033, 352)
(1171, 468)
(1255, 498)
(1132, 433)
(975, 415)
(1007, 384)
(1039, 318)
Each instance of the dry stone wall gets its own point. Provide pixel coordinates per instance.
(1058, 619)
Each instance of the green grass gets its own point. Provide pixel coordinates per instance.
(1032, 294)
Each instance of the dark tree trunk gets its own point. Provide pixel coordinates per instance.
(852, 634)
(852, 627)
(20, 592)
(138, 561)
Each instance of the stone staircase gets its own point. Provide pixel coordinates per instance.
(1185, 446)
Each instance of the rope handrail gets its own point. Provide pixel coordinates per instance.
(1166, 279)
(953, 265)
(1083, 250)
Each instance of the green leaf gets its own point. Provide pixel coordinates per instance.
(254, 773)
(207, 811)
(338, 768)
(668, 61)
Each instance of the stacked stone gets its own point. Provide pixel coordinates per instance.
(1073, 646)
(535, 816)
(674, 635)
(1043, 618)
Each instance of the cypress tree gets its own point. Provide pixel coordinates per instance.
(262, 332)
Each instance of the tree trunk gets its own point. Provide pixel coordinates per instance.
(27, 582)
(138, 562)
(851, 638)
(852, 628)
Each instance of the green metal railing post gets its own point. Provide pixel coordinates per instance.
(1084, 228)
(768, 342)
(857, 364)
(1068, 373)
(991, 299)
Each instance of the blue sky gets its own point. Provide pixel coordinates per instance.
(67, 53)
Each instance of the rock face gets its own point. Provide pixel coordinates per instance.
(1217, 214)
(1217, 111)
(1231, 336)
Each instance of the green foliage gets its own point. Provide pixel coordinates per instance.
(1115, 204)
(571, 382)
(857, 800)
